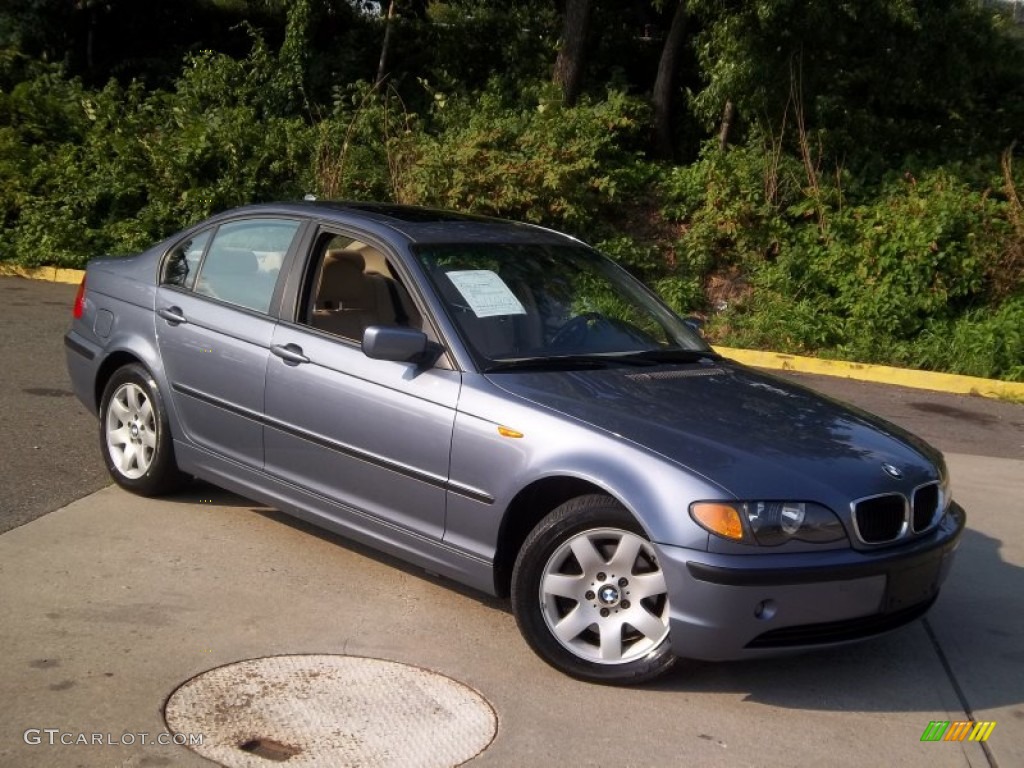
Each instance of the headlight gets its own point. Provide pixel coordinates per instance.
(768, 523)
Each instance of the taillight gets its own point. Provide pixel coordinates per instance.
(79, 300)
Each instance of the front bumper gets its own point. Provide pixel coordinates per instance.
(743, 606)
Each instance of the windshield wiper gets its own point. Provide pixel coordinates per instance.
(643, 357)
(676, 355)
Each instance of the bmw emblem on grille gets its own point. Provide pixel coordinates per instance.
(891, 471)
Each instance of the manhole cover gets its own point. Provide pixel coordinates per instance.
(331, 710)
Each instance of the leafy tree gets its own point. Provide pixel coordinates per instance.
(877, 79)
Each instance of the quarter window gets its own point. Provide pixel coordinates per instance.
(182, 265)
(244, 260)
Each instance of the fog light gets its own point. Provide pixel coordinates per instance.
(765, 610)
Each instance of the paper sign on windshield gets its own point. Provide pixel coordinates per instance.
(486, 293)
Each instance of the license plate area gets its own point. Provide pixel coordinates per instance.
(910, 586)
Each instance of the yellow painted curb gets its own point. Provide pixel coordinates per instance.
(49, 274)
(883, 374)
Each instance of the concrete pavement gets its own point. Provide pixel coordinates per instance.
(113, 601)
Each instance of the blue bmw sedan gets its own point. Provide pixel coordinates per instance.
(500, 404)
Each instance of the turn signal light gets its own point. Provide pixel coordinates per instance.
(720, 519)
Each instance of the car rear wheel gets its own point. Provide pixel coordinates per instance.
(589, 594)
(134, 435)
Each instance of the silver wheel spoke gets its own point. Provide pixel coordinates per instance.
(563, 586)
(148, 440)
(127, 458)
(119, 409)
(136, 397)
(611, 639)
(648, 625)
(570, 627)
(643, 585)
(625, 555)
(146, 413)
(120, 436)
(589, 558)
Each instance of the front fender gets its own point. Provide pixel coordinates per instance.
(657, 491)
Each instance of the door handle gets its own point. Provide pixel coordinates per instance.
(172, 315)
(290, 353)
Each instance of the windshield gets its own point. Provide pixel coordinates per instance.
(528, 302)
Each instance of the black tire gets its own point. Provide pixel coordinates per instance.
(551, 584)
(134, 435)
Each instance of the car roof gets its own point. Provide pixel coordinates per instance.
(417, 224)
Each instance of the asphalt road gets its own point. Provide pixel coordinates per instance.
(49, 454)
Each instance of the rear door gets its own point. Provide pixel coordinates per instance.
(373, 435)
(214, 330)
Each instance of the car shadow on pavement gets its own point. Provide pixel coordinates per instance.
(975, 627)
(382, 557)
(201, 492)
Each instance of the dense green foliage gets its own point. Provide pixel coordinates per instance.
(920, 270)
(866, 205)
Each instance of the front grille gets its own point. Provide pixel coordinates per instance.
(839, 631)
(926, 506)
(881, 518)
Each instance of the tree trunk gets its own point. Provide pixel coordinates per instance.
(571, 51)
(665, 84)
(385, 49)
(728, 115)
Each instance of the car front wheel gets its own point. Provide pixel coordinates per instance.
(589, 594)
(134, 436)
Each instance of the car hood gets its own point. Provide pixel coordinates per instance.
(754, 435)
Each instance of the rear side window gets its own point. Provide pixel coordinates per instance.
(244, 260)
(182, 265)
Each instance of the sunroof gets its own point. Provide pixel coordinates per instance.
(411, 214)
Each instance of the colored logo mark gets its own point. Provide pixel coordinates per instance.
(959, 730)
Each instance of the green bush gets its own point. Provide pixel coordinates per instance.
(543, 162)
(91, 172)
(876, 278)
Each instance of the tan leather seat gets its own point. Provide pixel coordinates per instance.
(348, 300)
(377, 264)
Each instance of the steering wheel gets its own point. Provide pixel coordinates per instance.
(576, 329)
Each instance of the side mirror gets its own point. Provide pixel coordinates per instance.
(401, 345)
(695, 324)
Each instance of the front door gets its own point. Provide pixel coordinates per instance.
(373, 435)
